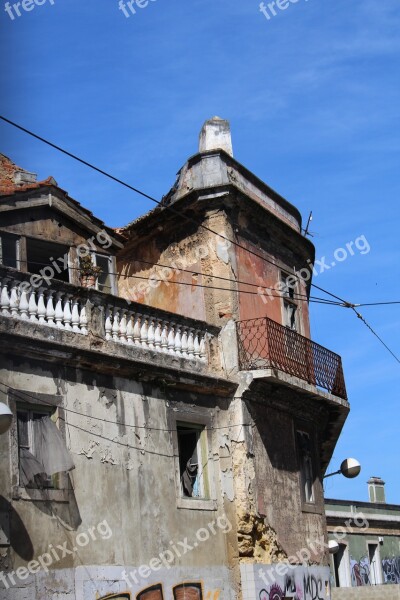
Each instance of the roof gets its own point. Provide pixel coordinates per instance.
(15, 181)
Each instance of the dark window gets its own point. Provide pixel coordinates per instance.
(42, 254)
(192, 461)
(8, 250)
(306, 465)
(288, 287)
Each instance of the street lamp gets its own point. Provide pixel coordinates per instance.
(6, 418)
(350, 468)
(333, 546)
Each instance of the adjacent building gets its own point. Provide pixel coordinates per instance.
(173, 418)
(367, 563)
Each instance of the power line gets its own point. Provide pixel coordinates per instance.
(378, 303)
(296, 296)
(376, 335)
(158, 202)
(120, 423)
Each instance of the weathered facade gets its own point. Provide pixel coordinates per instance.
(367, 564)
(199, 415)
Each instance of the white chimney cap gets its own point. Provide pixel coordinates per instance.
(216, 135)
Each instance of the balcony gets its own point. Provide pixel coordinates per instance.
(264, 344)
(87, 318)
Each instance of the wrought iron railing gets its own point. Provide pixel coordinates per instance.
(265, 343)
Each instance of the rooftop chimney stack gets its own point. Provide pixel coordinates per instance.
(376, 490)
(216, 135)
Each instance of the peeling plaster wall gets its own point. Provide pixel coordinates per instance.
(124, 475)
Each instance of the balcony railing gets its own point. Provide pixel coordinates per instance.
(72, 308)
(264, 343)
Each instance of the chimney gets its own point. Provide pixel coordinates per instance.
(216, 134)
(376, 490)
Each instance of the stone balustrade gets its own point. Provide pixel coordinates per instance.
(42, 305)
(165, 335)
(81, 310)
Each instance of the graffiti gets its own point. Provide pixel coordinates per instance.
(360, 572)
(183, 591)
(391, 569)
(312, 587)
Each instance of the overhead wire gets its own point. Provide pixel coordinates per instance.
(343, 302)
(152, 199)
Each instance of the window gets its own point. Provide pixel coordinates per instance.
(106, 279)
(342, 567)
(288, 288)
(42, 454)
(9, 250)
(374, 560)
(42, 254)
(193, 459)
(306, 466)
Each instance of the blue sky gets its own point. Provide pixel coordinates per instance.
(313, 97)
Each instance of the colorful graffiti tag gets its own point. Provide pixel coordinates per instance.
(391, 569)
(311, 588)
(360, 571)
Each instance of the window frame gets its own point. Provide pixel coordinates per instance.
(288, 300)
(203, 422)
(17, 240)
(31, 239)
(378, 574)
(111, 271)
(343, 569)
(17, 400)
(309, 502)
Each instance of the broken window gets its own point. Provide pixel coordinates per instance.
(9, 250)
(288, 287)
(41, 448)
(106, 279)
(192, 448)
(306, 465)
(40, 254)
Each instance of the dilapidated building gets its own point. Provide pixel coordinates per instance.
(172, 417)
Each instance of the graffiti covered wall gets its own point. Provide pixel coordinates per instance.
(278, 581)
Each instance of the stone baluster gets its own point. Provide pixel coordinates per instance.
(136, 329)
(50, 310)
(151, 333)
(184, 342)
(129, 329)
(178, 340)
(59, 315)
(203, 348)
(41, 307)
(75, 316)
(14, 300)
(108, 323)
(171, 339)
(115, 327)
(191, 344)
(123, 327)
(67, 313)
(164, 337)
(5, 299)
(144, 331)
(23, 303)
(196, 350)
(157, 335)
(32, 306)
(83, 320)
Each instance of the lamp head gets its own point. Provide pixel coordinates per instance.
(350, 468)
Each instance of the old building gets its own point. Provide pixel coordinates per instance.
(173, 422)
(367, 563)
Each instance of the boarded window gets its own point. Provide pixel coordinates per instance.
(152, 593)
(188, 591)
